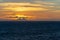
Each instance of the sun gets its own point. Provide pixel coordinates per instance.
(21, 16)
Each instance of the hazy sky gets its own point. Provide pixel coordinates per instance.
(45, 3)
(38, 9)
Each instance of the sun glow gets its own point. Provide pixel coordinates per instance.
(24, 9)
(21, 16)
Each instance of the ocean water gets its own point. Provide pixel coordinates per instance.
(33, 30)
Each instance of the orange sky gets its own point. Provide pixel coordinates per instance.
(33, 12)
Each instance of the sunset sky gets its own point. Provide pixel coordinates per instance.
(34, 10)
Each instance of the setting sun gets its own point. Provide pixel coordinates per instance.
(21, 16)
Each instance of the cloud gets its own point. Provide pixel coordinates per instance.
(40, 9)
(22, 7)
(17, 4)
(49, 4)
(7, 9)
(42, 2)
(16, 0)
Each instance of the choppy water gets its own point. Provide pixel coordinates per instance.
(40, 30)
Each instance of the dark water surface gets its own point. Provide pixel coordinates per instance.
(34, 30)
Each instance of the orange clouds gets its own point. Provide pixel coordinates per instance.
(22, 7)
(25, 9)
(33, 12)
(32, 15)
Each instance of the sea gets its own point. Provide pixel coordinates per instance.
(29, 30)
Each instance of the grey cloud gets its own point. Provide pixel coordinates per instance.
(16, 1)
(30, 6)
